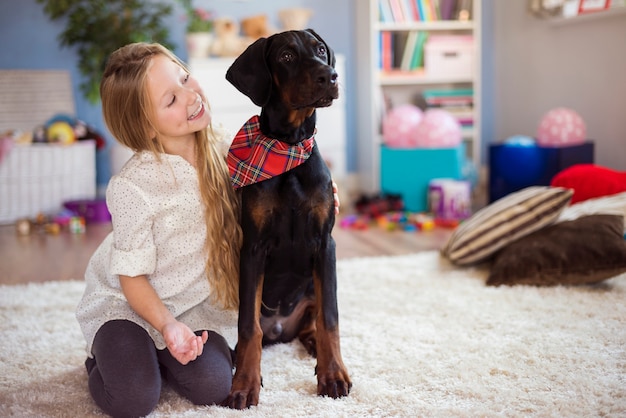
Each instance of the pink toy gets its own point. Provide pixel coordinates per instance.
(438, 129)
(399, 124)
(561, 127)
(449, 199)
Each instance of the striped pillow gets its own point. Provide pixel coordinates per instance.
(505, 220)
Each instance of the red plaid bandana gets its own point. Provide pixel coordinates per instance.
(253, 157)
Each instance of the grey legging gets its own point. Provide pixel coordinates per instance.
(126, 371)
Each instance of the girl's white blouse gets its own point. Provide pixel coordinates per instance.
(158, 231)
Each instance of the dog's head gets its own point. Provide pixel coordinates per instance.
(296, 68)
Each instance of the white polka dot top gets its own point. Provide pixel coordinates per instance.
(159, 231)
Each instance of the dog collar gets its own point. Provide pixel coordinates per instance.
(253, 157)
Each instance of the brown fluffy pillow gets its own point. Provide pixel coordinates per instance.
(583, 251)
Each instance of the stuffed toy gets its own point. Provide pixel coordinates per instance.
(255, 27)
(228, 42)
(294, 18)
(84, 131)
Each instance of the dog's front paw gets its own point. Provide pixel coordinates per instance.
(243, 394)
(334, 384)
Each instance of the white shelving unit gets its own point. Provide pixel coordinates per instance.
(402, 87)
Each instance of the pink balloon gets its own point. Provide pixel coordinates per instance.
(439, 129)
(398, 125)
(561, 127)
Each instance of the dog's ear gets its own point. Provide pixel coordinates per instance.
(250, 73)
(330, 52)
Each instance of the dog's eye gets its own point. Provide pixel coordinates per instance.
(321, 51)
(286, 56)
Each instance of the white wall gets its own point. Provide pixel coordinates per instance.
(580, 65)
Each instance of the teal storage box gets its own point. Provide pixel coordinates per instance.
(408, 171)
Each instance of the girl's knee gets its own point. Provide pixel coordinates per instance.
(213, 394)
(213, 381)
(129, 402)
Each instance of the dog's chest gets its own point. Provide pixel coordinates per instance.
(292, 209)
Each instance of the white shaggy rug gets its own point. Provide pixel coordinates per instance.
(420, 338)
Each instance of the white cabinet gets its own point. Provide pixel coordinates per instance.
(376, 87)
(232, 108)
(39, 178)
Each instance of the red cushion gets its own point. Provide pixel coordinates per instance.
(590, 181)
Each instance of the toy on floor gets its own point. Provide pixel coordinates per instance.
(387, 212)
(449, 199)
(391, 221)
(40, 224)
(51, 225)
(379, 204)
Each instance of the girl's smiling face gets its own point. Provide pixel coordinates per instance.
(177, 101)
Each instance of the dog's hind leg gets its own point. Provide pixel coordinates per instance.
(308, 330)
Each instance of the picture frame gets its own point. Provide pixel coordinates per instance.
(591, 6)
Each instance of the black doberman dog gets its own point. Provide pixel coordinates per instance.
(288, 279)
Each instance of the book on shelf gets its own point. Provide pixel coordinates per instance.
(409, 51)
(447, 9)
(399, 11)
(396, 10)
(386, 51)
(449, 93)
(418, 53)
(384, 11)
(459, 102)
(402, 51)
(415, 13)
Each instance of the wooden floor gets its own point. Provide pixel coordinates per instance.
(40, 257)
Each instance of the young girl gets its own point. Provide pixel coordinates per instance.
(148, 309)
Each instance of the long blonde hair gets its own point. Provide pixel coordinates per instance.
(127, 113)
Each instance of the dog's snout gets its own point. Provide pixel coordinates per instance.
(327, 78)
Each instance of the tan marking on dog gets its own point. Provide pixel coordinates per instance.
(262, 210)
(247, 379)
(297, 117)
(320, 213)
(332, 375)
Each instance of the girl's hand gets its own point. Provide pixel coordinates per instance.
(336, 196)
(182, 343)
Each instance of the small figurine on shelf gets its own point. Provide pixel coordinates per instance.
(227, 41)
(39, 135)
(256, 27)
(60, 132)
(295, 18)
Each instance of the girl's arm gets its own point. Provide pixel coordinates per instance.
(182, 343)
